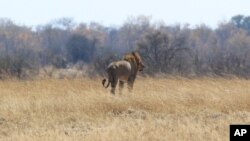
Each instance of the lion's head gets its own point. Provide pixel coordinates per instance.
(135, 59)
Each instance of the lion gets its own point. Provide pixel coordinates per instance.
(124, 71)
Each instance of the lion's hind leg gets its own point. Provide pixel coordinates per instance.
(113, 85)
(121, 85)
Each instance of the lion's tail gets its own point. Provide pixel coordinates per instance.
(103, 83)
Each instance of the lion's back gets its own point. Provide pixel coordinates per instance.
(123, 69)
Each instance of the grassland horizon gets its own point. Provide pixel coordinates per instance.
(158, 109)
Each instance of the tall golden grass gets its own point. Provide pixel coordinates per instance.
(158, 109)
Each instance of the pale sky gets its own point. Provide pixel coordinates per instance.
(116, 12)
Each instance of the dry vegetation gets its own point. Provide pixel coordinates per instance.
(159, 109)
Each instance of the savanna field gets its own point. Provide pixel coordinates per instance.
(159, 109)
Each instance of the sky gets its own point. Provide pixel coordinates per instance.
(116, 12)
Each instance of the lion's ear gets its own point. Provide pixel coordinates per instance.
(135, 55)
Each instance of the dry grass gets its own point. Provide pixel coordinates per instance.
(159, 109)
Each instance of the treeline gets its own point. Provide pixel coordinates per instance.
(176, 49)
